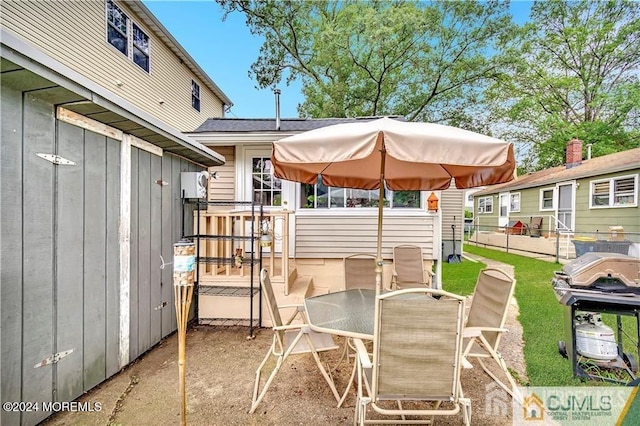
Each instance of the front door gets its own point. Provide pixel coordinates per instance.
(565, 206)
(503, 214)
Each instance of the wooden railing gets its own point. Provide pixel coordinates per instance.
(226, 244)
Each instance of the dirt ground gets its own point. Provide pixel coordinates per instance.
(221, 364)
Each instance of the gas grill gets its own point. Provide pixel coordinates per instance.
(588, 286)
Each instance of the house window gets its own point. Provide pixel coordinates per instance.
(195, 95)
(319, 196)
(485, 205)
(140, 48)
(267, 189)
(546, 199)
(616, 192)
(121, 31)
(514, 203)
(117, 28)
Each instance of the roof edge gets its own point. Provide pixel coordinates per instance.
(34, 60)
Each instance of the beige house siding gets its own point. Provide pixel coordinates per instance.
(223, 188)
(336, 236)
(74, 33)
(452, 202)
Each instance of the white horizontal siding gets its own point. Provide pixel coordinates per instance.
(336, 236)
(452, 202)
(74, 33)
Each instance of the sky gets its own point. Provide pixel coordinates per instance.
(226, 49)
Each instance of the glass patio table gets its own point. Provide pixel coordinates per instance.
(348, 313)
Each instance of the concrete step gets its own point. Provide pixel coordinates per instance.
(229, 301)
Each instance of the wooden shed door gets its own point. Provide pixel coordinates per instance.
(60, 256)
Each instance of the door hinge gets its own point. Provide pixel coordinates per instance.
(160, 306)
(56, 159)
(53, 358)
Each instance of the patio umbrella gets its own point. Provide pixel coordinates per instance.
(401, 155)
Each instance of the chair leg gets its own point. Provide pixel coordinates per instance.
(256, 399)
(351, 380)
(322, 369)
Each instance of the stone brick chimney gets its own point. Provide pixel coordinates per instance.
(574, 153)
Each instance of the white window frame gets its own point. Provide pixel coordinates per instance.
(511, 197)
(541, 206)
(483, 210)
(194, 84)
(611, 181)
(129, 35)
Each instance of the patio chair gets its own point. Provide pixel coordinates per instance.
(485, 324)
(535, 226)
(360, 271)
(408, 268)
(417, 359)
(289, 339)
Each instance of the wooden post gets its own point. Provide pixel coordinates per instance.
(184, 256)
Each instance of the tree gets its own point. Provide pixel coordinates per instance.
(424, 61)
(576, 75)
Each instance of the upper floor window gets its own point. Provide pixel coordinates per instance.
(195, 95)
(140, 48)
(126, 36)
(546, 198)
(485, 205)
(615, 192)
(319, 196)
(117, 28)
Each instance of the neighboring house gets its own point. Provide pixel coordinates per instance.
(324, 225)
(582, 196)
(95, 99)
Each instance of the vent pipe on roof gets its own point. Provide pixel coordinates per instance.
(277, 93)
(589, 151)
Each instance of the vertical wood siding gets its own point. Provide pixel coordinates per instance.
(74, 33)
(12, 248)
(60, 264)
(156, 224)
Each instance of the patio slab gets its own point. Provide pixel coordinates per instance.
(221, 365)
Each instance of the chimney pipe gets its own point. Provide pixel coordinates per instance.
(589, 151)
(277, 93)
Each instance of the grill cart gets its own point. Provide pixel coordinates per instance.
(592, 284)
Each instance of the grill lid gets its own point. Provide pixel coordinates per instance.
(600, 268)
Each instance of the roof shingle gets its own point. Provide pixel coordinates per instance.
(619, 161)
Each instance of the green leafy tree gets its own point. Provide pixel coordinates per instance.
(426, 61)
(576, 68)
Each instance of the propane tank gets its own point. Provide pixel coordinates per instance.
(593, 338)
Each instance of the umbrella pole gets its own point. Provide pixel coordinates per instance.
(383, 154)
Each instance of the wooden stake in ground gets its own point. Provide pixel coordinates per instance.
(184, 256)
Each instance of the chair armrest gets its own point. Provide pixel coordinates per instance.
(299, 310)
(288, 327)
(477, 331)
(363, 354)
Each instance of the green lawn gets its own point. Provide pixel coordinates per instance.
(541, 316)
